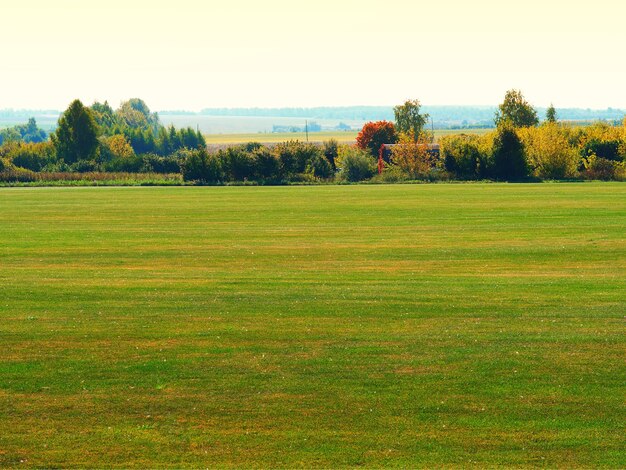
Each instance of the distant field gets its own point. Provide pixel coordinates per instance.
(343, 137)
(445, 325)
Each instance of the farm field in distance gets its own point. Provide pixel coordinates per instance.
(317, 326)
(343, 137)
(347, 137)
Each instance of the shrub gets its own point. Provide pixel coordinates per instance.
(32, 156)
(294, 157)
(13, 174)
(85, 166)
(319, 167)
(606, 149)
(239, 163)
(331, 151)
(132, 164)
(268, 165)
(596, 168)
(413, 157)
(463, 157)
(357, 165)
(157, 164)
(391, 174)
(549, 152)
(200, 166)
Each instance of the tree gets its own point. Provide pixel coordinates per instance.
(375, 134)
(551, 114)
(76, 136)
(509, 160)
(413, 157)
(409, 121)
(516, 110)
(198, 165)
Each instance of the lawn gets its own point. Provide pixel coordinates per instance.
(330, 326)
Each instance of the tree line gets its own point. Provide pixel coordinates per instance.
(131, 139)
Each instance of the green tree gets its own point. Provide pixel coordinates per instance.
(409, 121)
(198, 165)
(516, 110)
(509, 159)
(551, 114)
(76, 137)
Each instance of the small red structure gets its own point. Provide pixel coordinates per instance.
(381, 163)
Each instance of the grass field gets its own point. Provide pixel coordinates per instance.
(342, 137)
(329, 326)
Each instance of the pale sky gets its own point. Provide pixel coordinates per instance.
(192, 54)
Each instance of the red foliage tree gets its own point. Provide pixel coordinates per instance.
(375, 134)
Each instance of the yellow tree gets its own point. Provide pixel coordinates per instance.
(412, 155)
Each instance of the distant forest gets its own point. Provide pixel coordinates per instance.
(442, 116)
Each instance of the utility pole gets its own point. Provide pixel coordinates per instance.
(432, 128)
(306, 129)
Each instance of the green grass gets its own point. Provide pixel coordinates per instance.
(329, 326)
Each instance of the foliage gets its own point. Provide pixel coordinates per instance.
(198, 165)
(356, 164)
(413, 157)
(549, 152)
(267, 164)
(597, 168)
(319, 167)
(331, 149)
(76, 135)
(516, 110)
(28, 133)
(294, 157)
(551, 115)
(239, 163)
(409, 121)
(116, 146)
(135, 113)
(375, 134)
(509, 160)
(32, 156)
(463, 157)
(85, 166)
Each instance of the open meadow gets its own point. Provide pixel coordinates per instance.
(324, 326)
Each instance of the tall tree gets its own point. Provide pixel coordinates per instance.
(516, 110)
(375, 134)
(509, 158)
(76, 135)
(409, 121)
(551, 114)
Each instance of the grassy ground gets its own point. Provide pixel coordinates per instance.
(329, 326)
(341, 137)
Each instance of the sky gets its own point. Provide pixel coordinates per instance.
(193, 54)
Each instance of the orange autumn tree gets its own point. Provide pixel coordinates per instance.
(375, 134)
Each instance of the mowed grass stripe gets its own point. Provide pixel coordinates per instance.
(331, 326)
